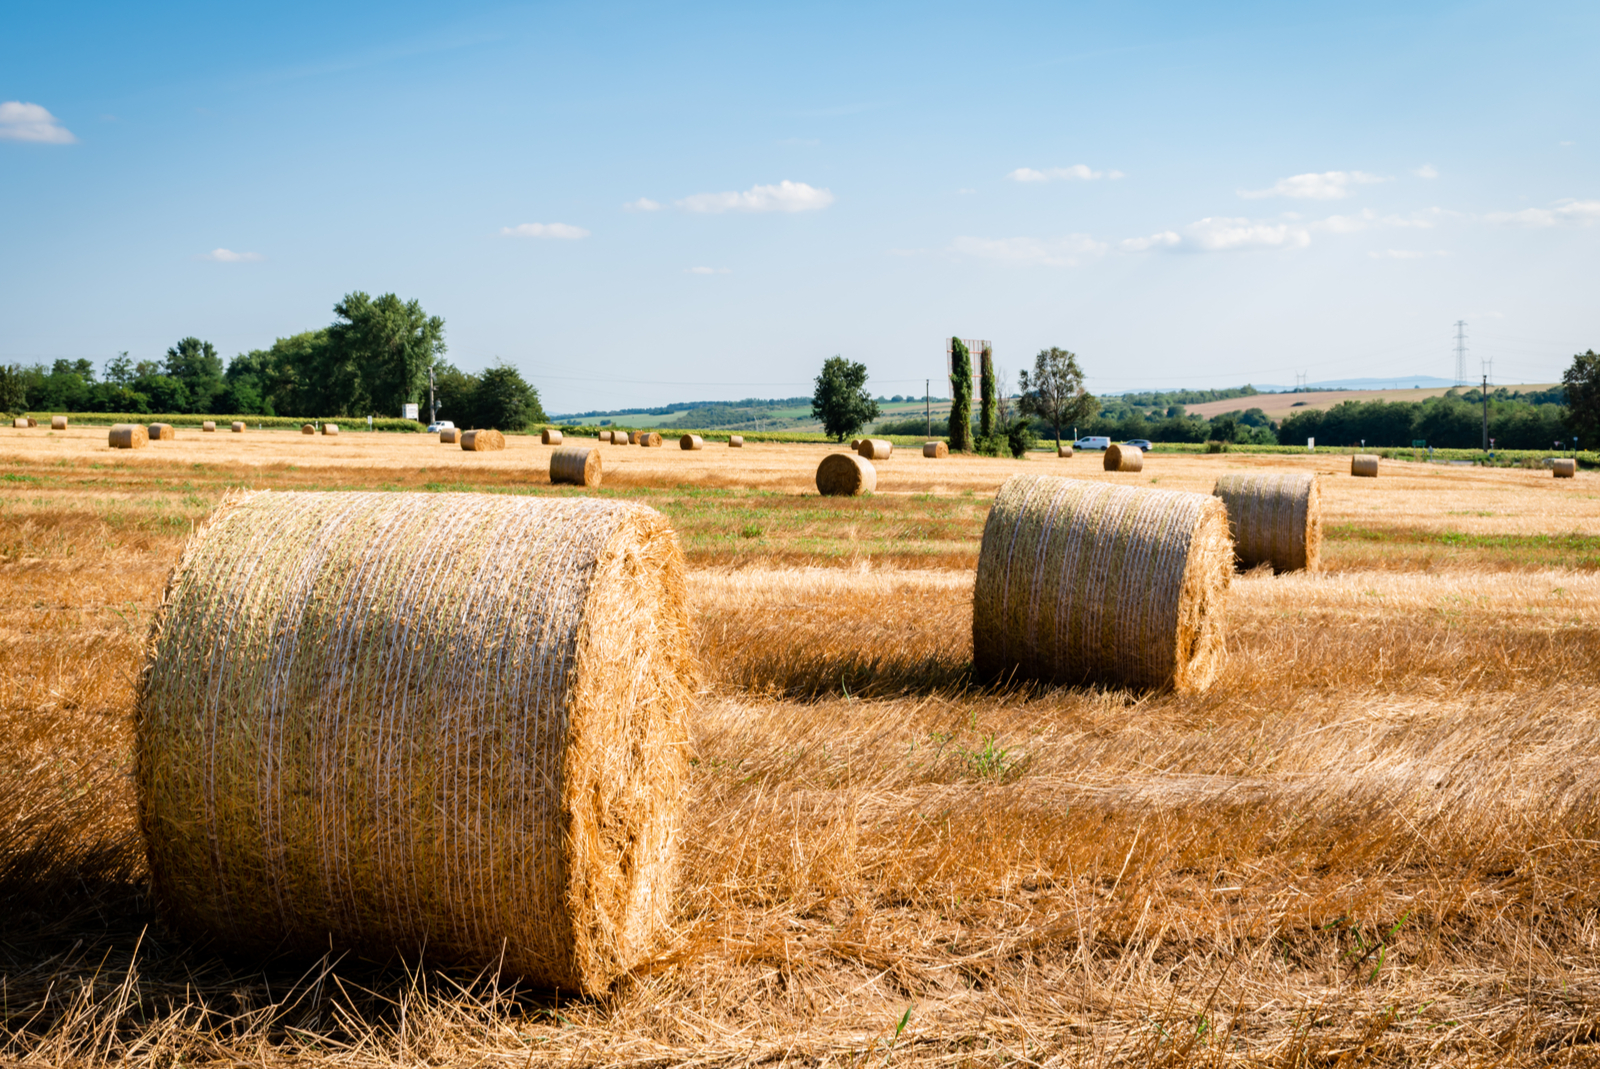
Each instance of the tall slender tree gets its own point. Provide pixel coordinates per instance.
(960, 397)
(987, 395)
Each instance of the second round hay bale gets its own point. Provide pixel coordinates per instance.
(129, 436)
(238, 427)
(575, 465)
(604, 436)
(330, 428)
(855, 443)
(1364, 465)
(691, 441)
(550, 436)
(1063, 450)
(1564, 468)
(936, 450)
(875, 448)
(482, 441)
(308, 428)
(161, 432)
(846, 475)
(735, 441)
(351, 730)
(1090, 582)
(650, 439)
(58, 423)
(208, 427)
(1275, 519)
(1124, 458)
(450, 436)
(20, 423)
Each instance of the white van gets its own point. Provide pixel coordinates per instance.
(1094, 441)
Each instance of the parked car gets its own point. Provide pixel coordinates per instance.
(1093, 441)
(441, 425)
(1141, 444)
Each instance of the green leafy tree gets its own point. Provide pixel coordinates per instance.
(455, 395)
(960, 396)
(378, 355)
(13, 391)
(1054, 391)
(504, 401)
(841, 400)
(1582, 382)
(987, 400)
(195, 365)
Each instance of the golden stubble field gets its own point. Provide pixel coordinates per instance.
(1375, 840)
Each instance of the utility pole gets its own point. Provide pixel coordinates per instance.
(1461, 352)
(1486, 413)
(927, 403)
(433, 417)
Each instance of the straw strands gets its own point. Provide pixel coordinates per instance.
(1564, 468)
(650, 439)
(129, 436)
(482, 441)
(161, 432)
(875, 448)
(1364, 465)
(576, 465)
(1274, 519)
(691, 441)
(550, 436)
(450, 436)
(58, 423)
(1083, 582)
(735, 441)
(846, 475)
(208, 427)
(935, 450)
(350, 729)
(1124, 458)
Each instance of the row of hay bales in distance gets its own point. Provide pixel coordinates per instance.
(137, 435)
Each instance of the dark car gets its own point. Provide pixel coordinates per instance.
(1141, 444)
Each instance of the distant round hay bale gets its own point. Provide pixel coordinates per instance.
(691, 441)
(935, 450)
(32, 422)
(238, 427)
(650, 439)
(1564, 468)
(621, 438)
(550, 436)
(1063, 450)
(308, 428)
(576, 465)
(1364, 465)
(604, 436)
(450, 436)
(20, 423)
(1087, 582)
(855, 443)
(208, 427)
(1274, 519)
(1124, 458)
(58, 423)
(482, 441)
(846, 475)
(498, 780)
(735, 441)
(129, 436)
(330, 428)
(875, 448)
(161, 432)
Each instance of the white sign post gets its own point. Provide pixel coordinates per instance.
(409, 412)
(1311, 445)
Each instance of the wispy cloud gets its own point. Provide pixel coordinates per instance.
(1427, 170)
(557, 231)
(228, 256)
(1329, 185)
(1077, 172)
(1404, 254)
(707, 271)
(786, 196)
(1069, 251)
(1222, 234)
(643, 204)
(31, 122)
(1580, 212)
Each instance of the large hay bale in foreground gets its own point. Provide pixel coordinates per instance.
(550, 436)
(58, 423)
(735, 441)
(208, 427)
(161, 432)
(482, 441)
(308, 428)
(650, 439)
(1564, 468)
(1124, 458)
(128, 436)
(577, 465)
(691, 441)
(1364, 465)
(1087, 582)
(935, 450)
(846, 475)
(450, 435)
(875, 448)
(1274, 519)
(238, 427)
(400, 721)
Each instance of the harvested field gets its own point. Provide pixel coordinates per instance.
(1372, 840)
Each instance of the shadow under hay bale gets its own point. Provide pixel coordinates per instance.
(1274, 519)
(352, 730)
(1364, 465)
(575, 465)
(1084, 582)
(875, 448)
(482, 441)
(691, 441)
(1123, 458)
(129, 436)
(845, 475)
(161, 432)
(935, 450)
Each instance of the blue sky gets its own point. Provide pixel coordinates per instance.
(641, 203)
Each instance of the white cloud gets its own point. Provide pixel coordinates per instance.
(1345, 224)
(1581, 212)
(560, 231)
(786, 196)
(30, 122)
(643, 204)
(1220, 234)
(1329, 185)
(707, 271)
(228, 256)
(1077, 171)
(1427, 170)
(1069, 251)
(1404, 254)
(1164, 240)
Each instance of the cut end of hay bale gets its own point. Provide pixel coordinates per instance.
(691, 441)
(129, 436)
(935, 450)
(450, 436)
(482, 441)
(58, 423)
(550, 436)
(846, 475)
(557, 737)
(875, 448)
(575, 465)
(208, 427)
(1364, 465)
(308, 428)
(650, 440)
(1089, 582)
(1124, 458)
(238, 427)
(161, 432)
(1274, 519)
(735, 441)
(1063, 450)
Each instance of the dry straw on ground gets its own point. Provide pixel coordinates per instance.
(875, 448)
(482, 441)
(58, 423)
(575, 465)
(308, 428)
(208, 426)
(161, 432)
(846, 475)
(735, 441)
(350, 727)
(129, 436)
(1123, 458)
(1364, 465)
(238, 427)
(1083, 582)
(450, 436)
(1274, 519)
(691, 441)
(1564, 468)
(550, 436)
(650, 440)
(330, 428)
(935, 450)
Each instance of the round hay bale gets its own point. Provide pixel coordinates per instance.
(1088, 582)
(855, 443)
(1274, 519)
(352, 728)
(58, 423)
(875, 448)
(691, 441)
(735, 441)
(621, 438)
(450, 436)
(604, 436)
(208, 427)
(129, 436)
(481, 441)
(650, 439)
(846, 475)
(1564, 468)
(161, 432)
(20, 423)
(936, 450)
(1364, 465)
(330, 428)
(308, 428)
(1124, 458)
(576, 465)
(238, 427)
(1063, 450)
(550, 436)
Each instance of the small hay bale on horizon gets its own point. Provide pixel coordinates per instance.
(58, 423)
(1364, 466)
(1564, 468)
(935, 450)
(20, 423)
(875, 448)
(308, 428)
(550, 436)
(161, 432)
(650, 439)
(238, 427)
(1123, 458)
(482, 441)
(330, 428)
(208, 427)
(1085, 582)
(691, 441)
(1274, 519)
(735, 441)
(128, 436)
(575, 465)
(1063, 451)
(846, 475)
(450, 436)
(855, 443)
(604, 436)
